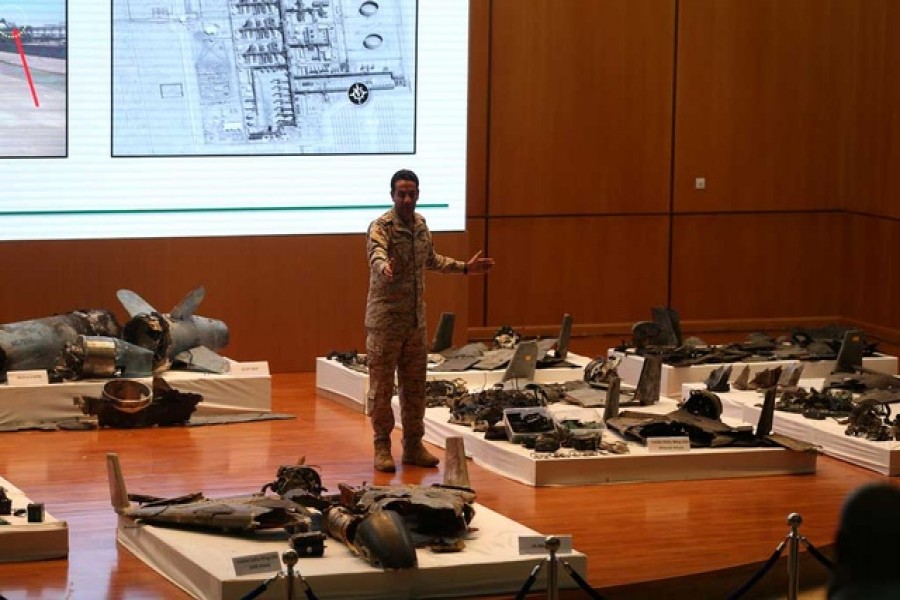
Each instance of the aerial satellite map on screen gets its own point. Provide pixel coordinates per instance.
(263, 77)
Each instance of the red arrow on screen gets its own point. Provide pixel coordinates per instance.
(18, 39)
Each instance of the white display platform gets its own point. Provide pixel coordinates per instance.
(828, 434)
(349, 387)
(246, 390)
(202, 564)
(674, 377)
(521, 464)
(23, 541)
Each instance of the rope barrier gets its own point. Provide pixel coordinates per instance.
(526, 587)
(792, 540)
(552, 544)
(759, 574)
(584, 585)
(817, 555)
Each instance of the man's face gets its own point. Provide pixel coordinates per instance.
(405, 194)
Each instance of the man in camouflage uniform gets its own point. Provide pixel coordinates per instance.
(400, 248)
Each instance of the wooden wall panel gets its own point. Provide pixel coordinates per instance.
(479, 83)
(581, 100)
(286, 299)
(598, 269)
(757, 265)
(871, 278)
(476, 285)
(759, 102)
(873, 155)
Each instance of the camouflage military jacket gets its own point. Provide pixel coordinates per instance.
(401, 301)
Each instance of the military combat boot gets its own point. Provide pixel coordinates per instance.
(384, 462)
(414, 453)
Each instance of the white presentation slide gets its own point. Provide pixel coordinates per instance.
(173, 118)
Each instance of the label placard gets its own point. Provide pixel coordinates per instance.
(26, 378)
(249, 369)
(256, 563)
(537, 544)
(661, 445)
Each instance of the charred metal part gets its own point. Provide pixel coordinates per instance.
(98, 356)
(529, 422)
(703, 403)
(585, 442)
(299, 477)
(644, 334)
(443, 335)
(443, 392)
(601, 370)
(385, 541)
(553, 352)
(35, 512)
(506, 337)
(126, 403)
(648, 386)
(669, 324)
(702, 431)
(659, 337)
(849, 357)
(765, 379)
(546, 443)
(428, 510)
(5, 503)
(814, 404)
(612, 399)
(168, 335)
(577, 424)
(240, 514)
(308, 544)
(350, 359)
(767, 416)
(790, 377)
(496, 433)
(565, 333)
(382, 538)
(872, 420)
(861, 381)
(718, 379)
(743, 379)
(487, 406)
(35, 344)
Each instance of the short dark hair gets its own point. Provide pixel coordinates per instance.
(404, 175)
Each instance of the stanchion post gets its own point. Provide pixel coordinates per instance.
(552, 545)
(794, 520)
(290, 558)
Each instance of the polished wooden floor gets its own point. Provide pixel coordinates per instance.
(671, 532)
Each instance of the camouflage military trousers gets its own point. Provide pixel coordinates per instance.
(404, 350)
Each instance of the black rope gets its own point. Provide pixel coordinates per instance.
(310, 595)
(759, 574)
(260, 588)
(580, 581)
(817, 555)
(530, 581)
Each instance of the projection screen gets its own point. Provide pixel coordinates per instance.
(172, 118)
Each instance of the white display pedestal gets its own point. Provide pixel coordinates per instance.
(23, 541)
(247, 390)
(881, 457)
(349, 387)
(520, 464)
(202, 564)
(674, 377)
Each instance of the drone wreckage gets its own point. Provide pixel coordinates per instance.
(91, 343)
(381, 524)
